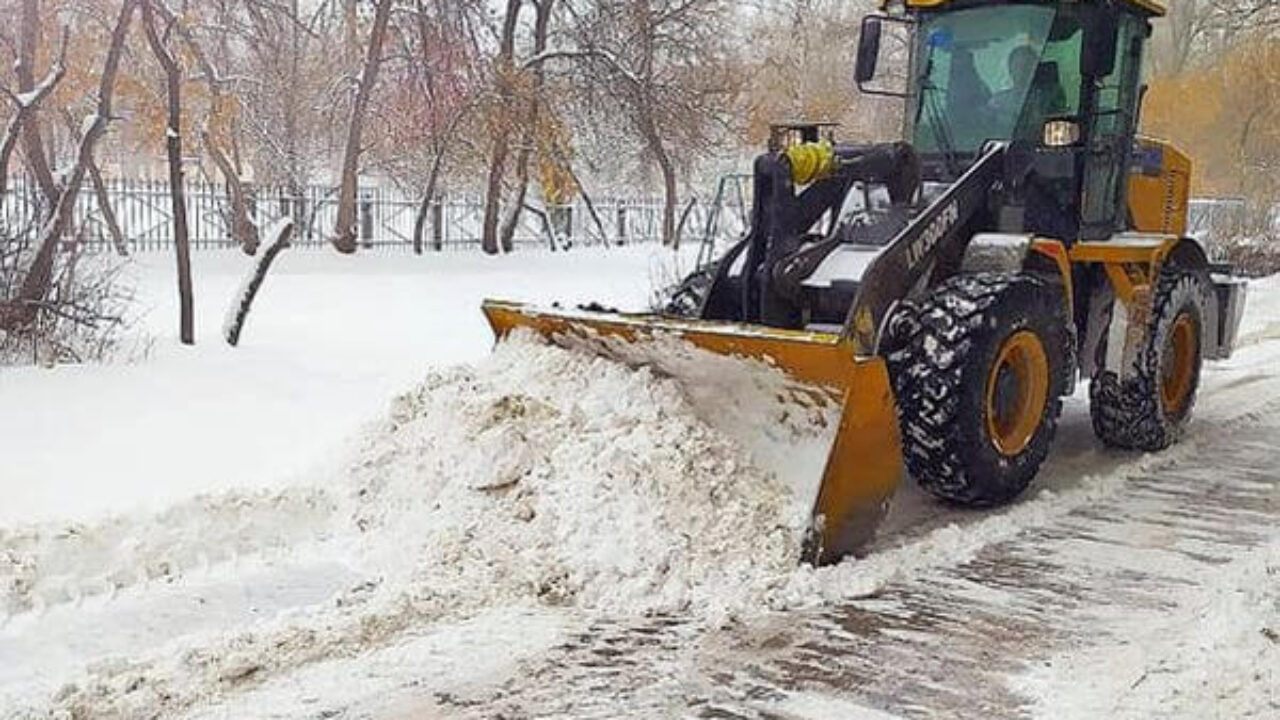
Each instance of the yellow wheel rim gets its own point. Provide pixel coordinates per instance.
(1017, 390)
(1179, 366)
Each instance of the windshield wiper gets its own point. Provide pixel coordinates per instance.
(937, 119)
(941, 131)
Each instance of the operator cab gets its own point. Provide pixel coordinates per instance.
(1060, 82)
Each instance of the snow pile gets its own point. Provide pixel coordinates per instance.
(540, 474)
(1216, 655)
(52, 564)
(558, 475)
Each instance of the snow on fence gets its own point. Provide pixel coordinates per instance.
(386, 217)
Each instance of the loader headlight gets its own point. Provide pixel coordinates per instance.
(1061, 133)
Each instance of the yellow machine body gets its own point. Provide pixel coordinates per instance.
(1156, 9)
(864, 465)
(1159, 188)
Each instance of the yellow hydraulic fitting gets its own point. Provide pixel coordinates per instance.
(811, 161)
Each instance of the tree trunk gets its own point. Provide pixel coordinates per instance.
(239, 311)
(424, 208)
(12, 131)
(669, 198)
(529, 129)
(177, 191)
(645, 90)
(345, 233)
(591, 210)
(548, 228)
(24, 70)
(99, 190)
(108, 213)
(684, 218)
(244, 232)
(26, 109)
(489, 241)
(36, 284)
(350, 31)
(505, 71)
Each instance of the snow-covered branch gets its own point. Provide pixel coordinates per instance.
(583, 54)
(281, 233)
(26, 105)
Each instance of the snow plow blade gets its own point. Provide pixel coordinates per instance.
(864, 464)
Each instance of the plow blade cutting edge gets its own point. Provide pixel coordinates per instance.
(864, 463)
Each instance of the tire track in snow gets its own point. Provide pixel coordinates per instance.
(944, 642)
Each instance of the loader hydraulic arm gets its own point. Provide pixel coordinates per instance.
(938, 233)
(781, 218)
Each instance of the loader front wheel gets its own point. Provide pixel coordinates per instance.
(1150, 409)
(979, 368)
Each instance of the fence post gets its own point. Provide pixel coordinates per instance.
(437, 224)
(366, 218)
(300, 209)
(622, 223)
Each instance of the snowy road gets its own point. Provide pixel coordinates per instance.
(417, 579)
(950, 642)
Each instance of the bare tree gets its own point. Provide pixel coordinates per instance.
(1205, 27)
(23, 309)
(244, 232)
(286, 81)
(345, 236)
(500, 126)
(177, 188)
(27, 105)
(422, 118)
(29, 34)
(533, 101)
(661, 65)
(440, 93)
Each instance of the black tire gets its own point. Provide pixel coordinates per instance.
(685, 299)
(941, 355)
(1132, 413)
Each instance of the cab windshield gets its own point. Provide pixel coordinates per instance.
(994, 73)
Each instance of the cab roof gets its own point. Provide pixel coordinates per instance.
(1150, 7)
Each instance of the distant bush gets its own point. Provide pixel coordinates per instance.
(82, 316)
(1251, 255)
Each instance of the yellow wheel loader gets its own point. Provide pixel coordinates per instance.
(951, 288)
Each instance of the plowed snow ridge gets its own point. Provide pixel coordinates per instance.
(540, 476)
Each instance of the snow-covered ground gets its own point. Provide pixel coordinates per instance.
(335, 520)
(330, 341)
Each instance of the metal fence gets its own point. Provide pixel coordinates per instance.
(452, 222)
(386, 218)
(1213, 218)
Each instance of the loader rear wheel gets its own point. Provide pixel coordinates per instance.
(979, 368)
(1149, 410)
